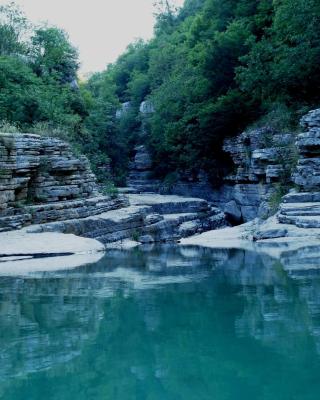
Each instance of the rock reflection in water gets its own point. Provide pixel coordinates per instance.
(161, 323)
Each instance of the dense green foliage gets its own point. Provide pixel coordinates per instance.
(38, 82)
(212, 68)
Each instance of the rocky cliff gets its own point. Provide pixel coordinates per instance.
(41, 180)
(43, 184)
(262, 160)
(299, 211)
(40, 169)
(140, 178)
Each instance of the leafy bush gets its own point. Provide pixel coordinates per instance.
(278, 117)
(109, 189)
(278, 191)
(135, 236)
(8, 127)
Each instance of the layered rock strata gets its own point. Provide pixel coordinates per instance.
(41, 180)
(300, 209)
(43, 184)
(140, 176)
(262, 158)
(149, 218)
(34, 168)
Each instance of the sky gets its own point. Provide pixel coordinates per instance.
(100, 29)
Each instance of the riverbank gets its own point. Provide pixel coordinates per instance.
(23, 252)
(301, 245)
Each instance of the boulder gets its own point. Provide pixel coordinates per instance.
(233, 212)
(189, 228)
(146, 239)
(146, 108)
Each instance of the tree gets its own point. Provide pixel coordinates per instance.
(166, 15)
(19, 92)
(284, 62)
(107, 145)
(53, 55)
(13, 30)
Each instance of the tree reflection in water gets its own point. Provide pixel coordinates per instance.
(168, 322)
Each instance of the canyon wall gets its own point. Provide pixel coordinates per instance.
(38, 169)
(44, 184)
(42, 180)
(263, 160)
(299, 210)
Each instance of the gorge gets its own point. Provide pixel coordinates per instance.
(46, 188)
(160, 218)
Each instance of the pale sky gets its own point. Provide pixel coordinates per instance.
(100, 29)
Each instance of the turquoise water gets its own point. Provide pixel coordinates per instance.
(169, 323)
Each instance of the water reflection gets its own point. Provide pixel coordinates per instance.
(163, 323)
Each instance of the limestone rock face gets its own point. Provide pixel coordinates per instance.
(43, 184)
(299, 212)
(33, 168)
(310, 120)
(146, 108)
(142, 159)
(303, 208)
(42, 180)
(262, 157)
(233, 211)
(257, 155)
(140, 176)
(307, 175)
(149, 218)
(125, 108)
